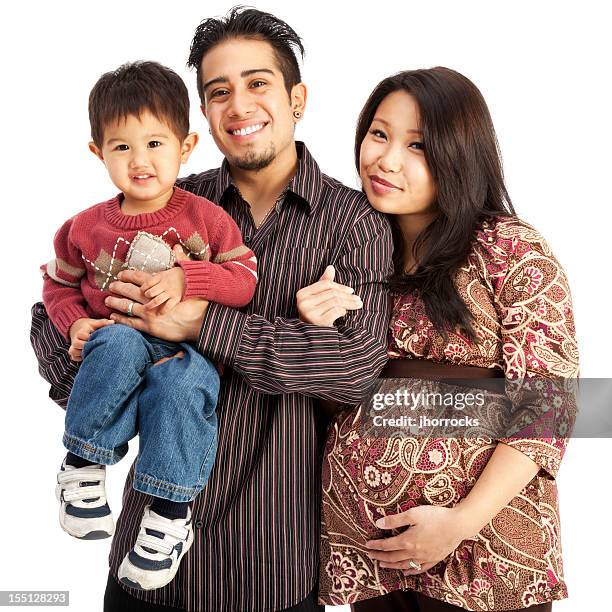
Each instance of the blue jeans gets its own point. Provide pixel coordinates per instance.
(119, 392)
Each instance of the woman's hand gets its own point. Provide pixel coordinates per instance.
(433, 533)
(325, 301)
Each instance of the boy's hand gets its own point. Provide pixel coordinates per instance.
(164, 289)
(80, 331)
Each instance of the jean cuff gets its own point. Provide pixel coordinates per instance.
(166, 490)
(86, 450)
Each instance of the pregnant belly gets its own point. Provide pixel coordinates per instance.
(366, 478)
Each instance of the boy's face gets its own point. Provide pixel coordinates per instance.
(246, 103)
(143, 157)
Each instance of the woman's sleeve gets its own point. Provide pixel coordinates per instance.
(540, 352)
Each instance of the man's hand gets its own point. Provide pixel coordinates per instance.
(325, 301)
(164, 289)
(181, 324)
(80, 331)
(433, 533)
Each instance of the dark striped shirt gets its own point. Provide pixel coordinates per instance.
(257, 521)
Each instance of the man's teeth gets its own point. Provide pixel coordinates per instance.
(248, 130)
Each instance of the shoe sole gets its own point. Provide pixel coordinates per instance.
(131, 583)
(95, 535)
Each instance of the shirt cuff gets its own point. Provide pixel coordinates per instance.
(67, 317)
(221, 333)
(197, 279)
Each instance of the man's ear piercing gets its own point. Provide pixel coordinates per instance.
(297, 114)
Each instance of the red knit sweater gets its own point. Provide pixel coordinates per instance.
(92, 247)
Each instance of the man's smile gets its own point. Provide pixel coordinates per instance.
(243, 129)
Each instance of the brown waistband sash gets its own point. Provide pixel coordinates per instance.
(430, 370)
(463, 376)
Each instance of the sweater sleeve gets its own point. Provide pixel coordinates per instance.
(62, 275)
(230, 276)
(539, 346)
(286, 355)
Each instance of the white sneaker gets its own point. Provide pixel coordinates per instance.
(159, 548)
(84, 511)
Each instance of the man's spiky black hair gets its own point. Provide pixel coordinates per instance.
(249, 23)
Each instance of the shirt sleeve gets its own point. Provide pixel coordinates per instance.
(51, 350)
(539, 346)
(289, 356)
(62, 281)
(229, 278)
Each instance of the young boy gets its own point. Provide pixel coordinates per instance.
(130, 382)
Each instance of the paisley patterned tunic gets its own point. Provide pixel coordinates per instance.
(520, 300)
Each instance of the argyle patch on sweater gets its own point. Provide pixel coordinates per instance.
(146, 252)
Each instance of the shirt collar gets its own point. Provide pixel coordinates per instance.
(307, 182)
(224, 181)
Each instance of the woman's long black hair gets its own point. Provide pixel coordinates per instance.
(463, 156)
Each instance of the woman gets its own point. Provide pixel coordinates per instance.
(477, 289)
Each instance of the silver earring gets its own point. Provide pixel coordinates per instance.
(297, 114)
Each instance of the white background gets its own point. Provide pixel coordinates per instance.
(544, 70)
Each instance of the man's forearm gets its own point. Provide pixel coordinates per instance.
(290, 356)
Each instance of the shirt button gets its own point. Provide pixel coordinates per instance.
(199, 524)
(247, 239)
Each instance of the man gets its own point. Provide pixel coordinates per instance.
(257, 521)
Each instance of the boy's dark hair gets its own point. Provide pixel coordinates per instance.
(134, 88)
(245, 22)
